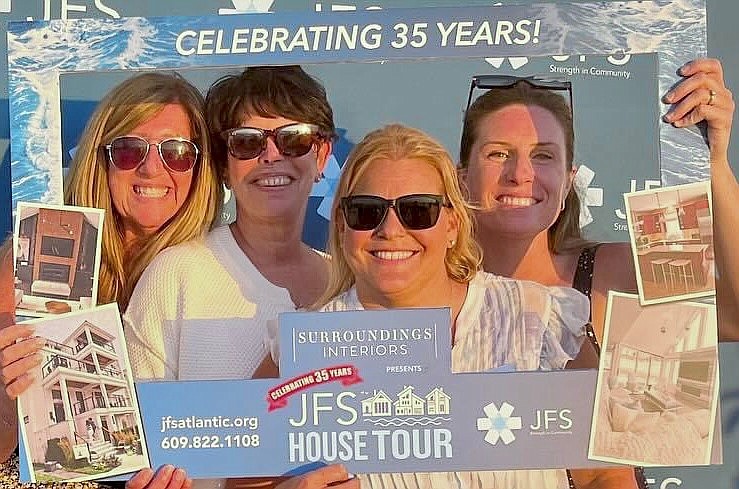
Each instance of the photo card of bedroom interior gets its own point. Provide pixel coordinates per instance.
(658, 384)
(57, 258)
(671, 234)
(81, 420)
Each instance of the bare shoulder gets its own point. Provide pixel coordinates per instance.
(614, 268)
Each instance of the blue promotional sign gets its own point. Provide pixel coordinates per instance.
(372, 390)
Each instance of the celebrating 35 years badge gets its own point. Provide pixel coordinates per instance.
(278, 396)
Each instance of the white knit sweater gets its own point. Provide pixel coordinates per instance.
(199, 312)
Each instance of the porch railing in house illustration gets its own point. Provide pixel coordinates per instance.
(53, 345)
(59, 361)
(78, 437)
(98, 401)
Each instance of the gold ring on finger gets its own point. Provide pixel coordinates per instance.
(711, 97)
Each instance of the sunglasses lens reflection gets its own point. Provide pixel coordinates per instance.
(245, 144)
(419, 213)
(364, 213)
(292, 140)
(179, 155)
(127, 153)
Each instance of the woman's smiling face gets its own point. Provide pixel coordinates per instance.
(391, 260)
(272, 184)
(149, 195)
(517, 170)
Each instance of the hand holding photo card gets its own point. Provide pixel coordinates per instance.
(57, 250)
(658, 382)
(671, 231)
(80, 418)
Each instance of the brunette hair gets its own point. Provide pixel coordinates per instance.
(565, 232)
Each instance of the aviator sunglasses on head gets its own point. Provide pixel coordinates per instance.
(487, 82)
(128, 152)
(415, 211)
(292, 140)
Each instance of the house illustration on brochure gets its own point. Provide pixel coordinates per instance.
(408, 403)
(83, 395)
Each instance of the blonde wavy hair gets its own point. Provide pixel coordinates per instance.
(128, 105)
(396, 142)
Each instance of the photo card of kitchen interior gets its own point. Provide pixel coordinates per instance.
(57, 258)
(80, 419)
(658, 384)
(671, 234)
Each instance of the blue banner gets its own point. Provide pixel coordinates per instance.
(39, 51)
(372, 390)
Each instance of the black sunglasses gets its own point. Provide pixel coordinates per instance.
(293, 140)
(415, 211)
(128, 152)
(486, 82)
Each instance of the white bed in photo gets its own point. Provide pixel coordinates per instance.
(657, 390)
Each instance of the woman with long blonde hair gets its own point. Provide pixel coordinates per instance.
(144, 157)
(401, 236)
(91, 181)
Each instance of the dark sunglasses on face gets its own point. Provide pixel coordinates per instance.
(128, 152)
(292, 140)
(486, 82)
(415, 211)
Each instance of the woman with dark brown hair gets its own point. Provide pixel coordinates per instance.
(272, 131)
(516, 160)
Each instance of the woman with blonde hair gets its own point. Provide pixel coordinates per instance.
(141, 221)
(144, 157)
(401, 236)
(463, 258)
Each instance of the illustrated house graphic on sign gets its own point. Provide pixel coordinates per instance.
(437, 402)
(409, 403)
(377, 405)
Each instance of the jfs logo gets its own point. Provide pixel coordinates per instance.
(500, 424)
(67, 9)
(551, 421)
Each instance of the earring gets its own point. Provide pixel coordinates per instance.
(564, 201)
(451, 243)
(319, 177)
